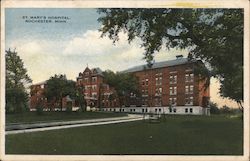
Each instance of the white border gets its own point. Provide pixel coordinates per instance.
(135, 4)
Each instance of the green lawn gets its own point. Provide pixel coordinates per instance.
(199, 135)
(56, 116)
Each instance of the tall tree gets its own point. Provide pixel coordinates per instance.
(124, 84)
(213, 35)
(16, 81)
(79, 97)
(58, 87)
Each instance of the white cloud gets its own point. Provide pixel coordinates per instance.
(91, 44)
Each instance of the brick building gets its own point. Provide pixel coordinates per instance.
(166, 87)
(96, 92)
(169, 87)
(37, 98)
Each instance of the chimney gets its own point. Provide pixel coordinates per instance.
(179, 56)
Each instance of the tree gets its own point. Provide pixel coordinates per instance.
(80, 98)
(58, 87)
(16, 81)
(225, 110)
(124, 84)
(214, 108)
(213, 35)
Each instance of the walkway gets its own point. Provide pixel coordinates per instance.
(34, 127)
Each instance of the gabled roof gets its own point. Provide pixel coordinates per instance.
(159, 65)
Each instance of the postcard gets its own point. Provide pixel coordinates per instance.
(124, 80)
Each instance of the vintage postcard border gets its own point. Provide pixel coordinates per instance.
(154, 4)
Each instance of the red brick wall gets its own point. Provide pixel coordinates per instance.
(180, 72)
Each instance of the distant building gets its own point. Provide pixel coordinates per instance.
(38, 98)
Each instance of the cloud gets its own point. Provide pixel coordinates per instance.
(91, 44)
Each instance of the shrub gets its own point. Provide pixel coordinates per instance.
(39, 109)
(68, 109)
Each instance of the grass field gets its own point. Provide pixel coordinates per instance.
(56, 116)
(197, 135)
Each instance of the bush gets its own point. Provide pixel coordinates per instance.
(39, 110)
(214, 108)
(10, 108)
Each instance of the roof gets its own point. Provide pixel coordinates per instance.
(159, 65)
(98, 71)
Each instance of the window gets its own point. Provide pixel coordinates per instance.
(86, 80)
(158, 74)
(94, 95)
(94, 87)
(143, 82)
(186, 89)
(94, 79)
(189, 77)
(174, 110)
(173, 79)
(158, 91)
(146, 82)
(158, 81)
(186, 110)
(173, 90)
(191, 110)
(156, 110)
(186, 77)
(189, 89)
(159, 109)
(86, 73)
(189, 101)
(172, 101)
(145, 93)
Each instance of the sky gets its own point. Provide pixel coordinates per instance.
(68, 46)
